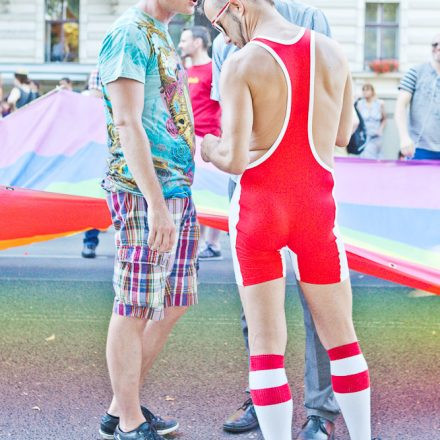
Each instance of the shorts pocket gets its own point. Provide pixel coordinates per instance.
(140, 276)
(143, 254)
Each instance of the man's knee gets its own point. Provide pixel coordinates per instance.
(173, 314)
(273, 342)
(127, 322)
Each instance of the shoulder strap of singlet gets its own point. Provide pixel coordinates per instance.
(293, 40)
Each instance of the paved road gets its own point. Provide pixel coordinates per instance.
(53, 380)
(61, 260)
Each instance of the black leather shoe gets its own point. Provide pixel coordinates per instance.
(243, 420)
(109, 424)
(143, 432)
(317, 428)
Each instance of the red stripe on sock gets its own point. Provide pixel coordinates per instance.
(344, 351)
(266, 362)
(351, 383)
(271, 396)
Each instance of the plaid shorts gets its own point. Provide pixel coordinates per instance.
(145, 280)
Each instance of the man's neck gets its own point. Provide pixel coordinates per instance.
(267, 22)
(155, 10)
(200, 59)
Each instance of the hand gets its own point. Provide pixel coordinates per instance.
(407, 147)
(162, 231)
(209, 141)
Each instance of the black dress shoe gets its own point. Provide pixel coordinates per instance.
(243, 420)
(317, 428)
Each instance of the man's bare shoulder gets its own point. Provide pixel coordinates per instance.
(241, 64)
(330, 51)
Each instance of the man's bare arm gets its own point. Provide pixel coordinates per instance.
(127, 97)
(13, 97)
(231, 152)
(401, 117)
(346, 120)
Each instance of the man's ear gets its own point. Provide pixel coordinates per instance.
(198, 42)
(238, 7)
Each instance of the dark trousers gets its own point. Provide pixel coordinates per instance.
(91, 237)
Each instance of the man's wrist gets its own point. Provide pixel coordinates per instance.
(157, 202)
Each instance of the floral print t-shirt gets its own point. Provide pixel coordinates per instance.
(139, 47)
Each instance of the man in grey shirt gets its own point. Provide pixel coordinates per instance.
(320, 402)
(420, 90)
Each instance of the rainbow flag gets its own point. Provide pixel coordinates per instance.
(389, 211)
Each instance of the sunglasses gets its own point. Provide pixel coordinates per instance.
(220, 14)
(435, 45)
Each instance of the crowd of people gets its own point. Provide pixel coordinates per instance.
(419, 97)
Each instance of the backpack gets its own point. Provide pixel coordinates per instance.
(359, 137)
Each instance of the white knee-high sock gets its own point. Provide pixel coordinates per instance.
(271, 396)
(351, 385)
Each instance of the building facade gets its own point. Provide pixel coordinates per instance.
(55, 38)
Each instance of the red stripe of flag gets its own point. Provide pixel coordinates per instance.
(351, 383)
(266, 362)
(271, 396)
(344, 351)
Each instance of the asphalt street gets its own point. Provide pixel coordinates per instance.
(53, 377)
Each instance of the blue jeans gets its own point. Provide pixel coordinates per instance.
(91, 237)
(422, 154)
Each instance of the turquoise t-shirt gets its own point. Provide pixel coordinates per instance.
(139, 47)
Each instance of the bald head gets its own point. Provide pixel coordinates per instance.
(212, 7)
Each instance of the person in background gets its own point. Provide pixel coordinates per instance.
(22, 92)
(194, 45)
(419, 90)
(319, 400)
(5, 108)
(35, 88)
(66, 84)
(373, 113)
(93, 88)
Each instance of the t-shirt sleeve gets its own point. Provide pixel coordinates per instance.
(409, 81)
(124, 54)
(320, 23)
(217, 62)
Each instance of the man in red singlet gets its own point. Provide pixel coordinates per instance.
(286, 102)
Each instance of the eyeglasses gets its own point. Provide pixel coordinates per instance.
(222, 11)
(435, 45)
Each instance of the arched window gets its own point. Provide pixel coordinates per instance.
(62, 30)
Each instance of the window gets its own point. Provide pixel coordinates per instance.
(62, 30)
(381, 31)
